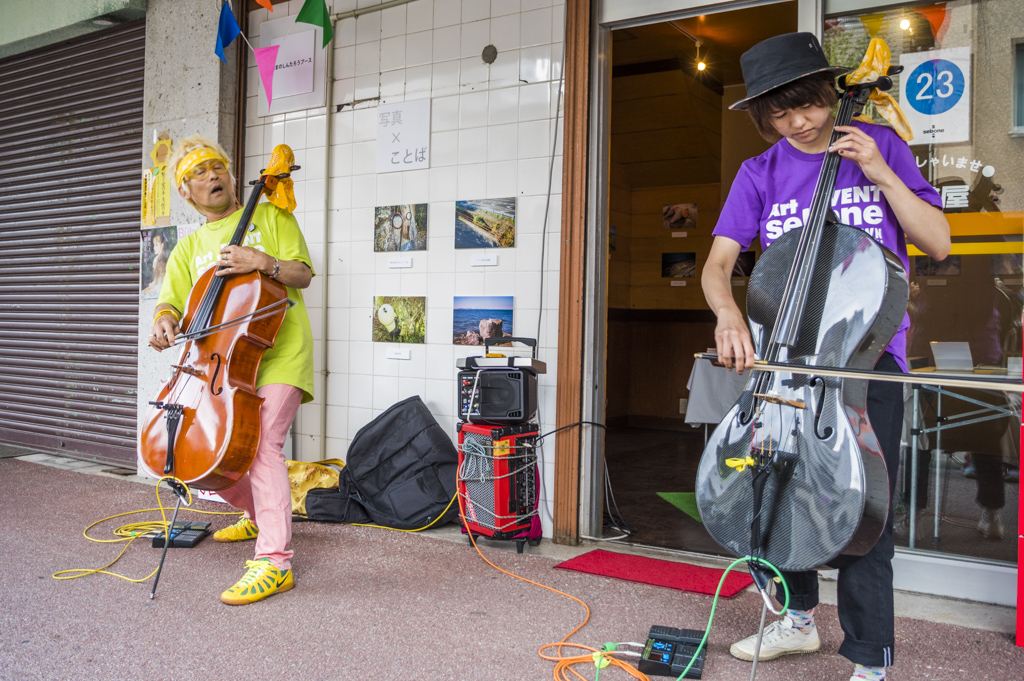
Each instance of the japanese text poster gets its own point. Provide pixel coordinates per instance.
(403, 136)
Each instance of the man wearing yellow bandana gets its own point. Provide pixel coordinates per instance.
(277, 248)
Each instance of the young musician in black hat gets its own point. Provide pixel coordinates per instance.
(790, 92)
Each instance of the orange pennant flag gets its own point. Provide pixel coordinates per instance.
(266, 3)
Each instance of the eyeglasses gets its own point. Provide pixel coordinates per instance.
(201, 171)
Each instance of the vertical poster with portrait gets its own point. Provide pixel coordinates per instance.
(477, 318)
(157, 244)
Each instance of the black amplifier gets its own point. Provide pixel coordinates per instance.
(496, 390)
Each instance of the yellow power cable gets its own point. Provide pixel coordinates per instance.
(130, 533)
(418, 529)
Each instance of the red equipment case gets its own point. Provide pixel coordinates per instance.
(498, 482)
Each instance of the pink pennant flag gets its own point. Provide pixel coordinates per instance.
(266, 59)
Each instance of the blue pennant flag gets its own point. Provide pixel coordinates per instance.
(227, 30)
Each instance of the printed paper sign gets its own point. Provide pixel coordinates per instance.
(935, 94)
(293, 72)
(403, 136)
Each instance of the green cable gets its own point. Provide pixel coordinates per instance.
(714, 604)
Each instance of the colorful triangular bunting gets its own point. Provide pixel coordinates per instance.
(266, 58)
(227, 30)
(315, 12)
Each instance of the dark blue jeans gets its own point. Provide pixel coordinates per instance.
(865, 599)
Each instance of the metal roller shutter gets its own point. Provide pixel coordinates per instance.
(70, 164)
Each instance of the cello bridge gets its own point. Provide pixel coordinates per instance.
(191, 371)
(775, 399)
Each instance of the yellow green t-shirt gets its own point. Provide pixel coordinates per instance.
(277, 234)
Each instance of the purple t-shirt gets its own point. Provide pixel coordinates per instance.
(772, 195)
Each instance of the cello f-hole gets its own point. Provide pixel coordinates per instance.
(216, 372)
(814, 382)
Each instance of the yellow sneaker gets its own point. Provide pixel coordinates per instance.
(261, 580)
(243, 530)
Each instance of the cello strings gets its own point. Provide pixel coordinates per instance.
(799, 277)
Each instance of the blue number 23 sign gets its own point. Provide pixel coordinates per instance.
(935, 86)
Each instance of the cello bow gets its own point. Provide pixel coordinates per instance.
(949, 380)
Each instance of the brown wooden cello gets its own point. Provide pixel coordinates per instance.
(204, 426)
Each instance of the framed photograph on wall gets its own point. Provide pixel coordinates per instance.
(399, 319)
(678, 265)
(679, 216)
(489, 223)
(400, 228)
(1005, 263)
(929, 267)
(744, 264)
(478, 318)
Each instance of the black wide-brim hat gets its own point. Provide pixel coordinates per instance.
(780, 60)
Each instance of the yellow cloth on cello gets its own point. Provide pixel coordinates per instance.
(194, 158)
(874, 65)
(281, 161)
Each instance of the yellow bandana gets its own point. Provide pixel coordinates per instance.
(876, 61)
(281, 193)
(194, 158)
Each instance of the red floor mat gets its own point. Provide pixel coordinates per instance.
(658, 572)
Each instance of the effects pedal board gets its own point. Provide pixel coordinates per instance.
(184, 535)
(669, 650)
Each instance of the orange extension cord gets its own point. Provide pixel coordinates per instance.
(564, 665)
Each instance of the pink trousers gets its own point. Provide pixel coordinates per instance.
(264, 493)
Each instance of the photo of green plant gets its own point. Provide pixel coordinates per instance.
(399, 319)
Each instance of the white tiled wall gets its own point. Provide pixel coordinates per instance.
(492, 129)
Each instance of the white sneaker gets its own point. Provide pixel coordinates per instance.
(991, 525)
(780, 638)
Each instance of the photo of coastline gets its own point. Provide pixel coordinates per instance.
(400, 228)
(399, 319)
(490, 223)
(676, 265)
(477, 318)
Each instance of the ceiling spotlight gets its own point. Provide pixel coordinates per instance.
(701, 66)
(905, 24)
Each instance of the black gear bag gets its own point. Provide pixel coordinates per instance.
(400, 472)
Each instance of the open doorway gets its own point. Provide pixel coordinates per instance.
(675, 149)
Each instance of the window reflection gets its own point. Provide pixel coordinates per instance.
(967, 484)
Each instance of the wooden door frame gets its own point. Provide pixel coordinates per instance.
(580, 372)
(572, 273)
